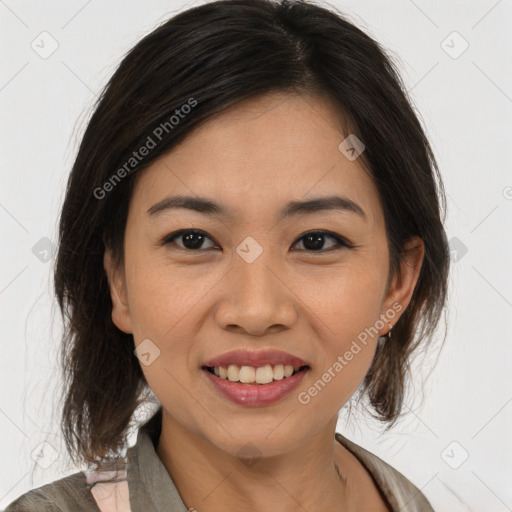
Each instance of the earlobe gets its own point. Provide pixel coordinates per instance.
(117, 285)
(402, 286)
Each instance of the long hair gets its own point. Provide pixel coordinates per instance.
(210, 58)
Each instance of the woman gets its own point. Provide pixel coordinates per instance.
(251, 233)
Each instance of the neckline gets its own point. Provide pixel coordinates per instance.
(153, 427)
(366, 459)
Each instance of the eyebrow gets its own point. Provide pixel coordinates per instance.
(293, 208)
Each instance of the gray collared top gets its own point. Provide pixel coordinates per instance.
(151, 489)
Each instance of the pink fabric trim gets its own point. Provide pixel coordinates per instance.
(109, 496)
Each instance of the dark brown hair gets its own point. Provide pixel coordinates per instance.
(217, 55)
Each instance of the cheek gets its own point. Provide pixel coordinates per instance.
(347, 298)
(345, 308)
(162, 298)
(340, 304)
(162, 310)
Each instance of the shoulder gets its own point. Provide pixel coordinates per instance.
(402, 494)
(69, 494)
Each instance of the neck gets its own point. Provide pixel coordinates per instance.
(210, 479)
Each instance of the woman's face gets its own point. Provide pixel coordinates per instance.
(255, 281)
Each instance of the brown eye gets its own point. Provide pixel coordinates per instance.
(191, 239)
(316, 241)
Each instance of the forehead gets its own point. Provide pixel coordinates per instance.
(260, 153)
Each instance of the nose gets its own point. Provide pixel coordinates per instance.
(256, 300)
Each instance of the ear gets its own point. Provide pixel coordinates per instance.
(117, 285)
(402, 286)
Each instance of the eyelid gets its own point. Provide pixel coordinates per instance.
(167, 239)
(342, 241)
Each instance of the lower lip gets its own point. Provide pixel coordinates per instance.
(256, 395)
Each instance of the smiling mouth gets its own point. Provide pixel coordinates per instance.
(254, 375)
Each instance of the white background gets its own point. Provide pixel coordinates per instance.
(466, 106)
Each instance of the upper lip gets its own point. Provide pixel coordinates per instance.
(256, 358)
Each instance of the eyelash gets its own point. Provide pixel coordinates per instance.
(342, 243)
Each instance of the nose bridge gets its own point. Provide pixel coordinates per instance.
(257, 298)
(254, 271)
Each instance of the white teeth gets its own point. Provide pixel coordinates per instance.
(233, 373)
(278, 372)
(264, 374)
(247, 374)
(250, 375)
